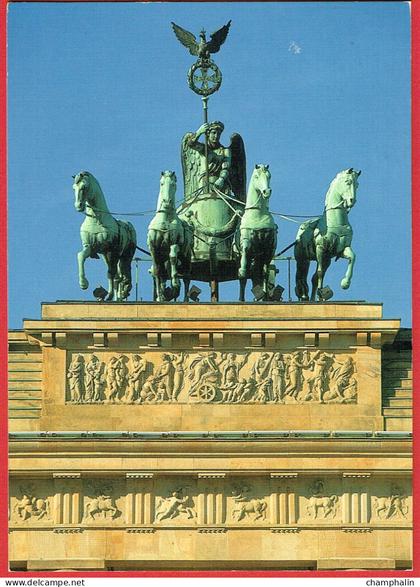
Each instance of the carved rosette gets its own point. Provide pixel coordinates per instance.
(256, 377)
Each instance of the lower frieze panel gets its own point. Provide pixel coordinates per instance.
(220, 500)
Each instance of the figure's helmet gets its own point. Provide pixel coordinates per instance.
(216, 125)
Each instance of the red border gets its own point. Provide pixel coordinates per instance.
(4, 572)
(3, 306)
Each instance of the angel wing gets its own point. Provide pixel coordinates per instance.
(187, 38)
(218, 38)
(190, 159)
(238, 167)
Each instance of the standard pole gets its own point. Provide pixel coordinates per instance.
(206, 148)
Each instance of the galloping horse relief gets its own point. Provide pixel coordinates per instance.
(256, 238)
(169, 240)
(326, 237)
(102, 234)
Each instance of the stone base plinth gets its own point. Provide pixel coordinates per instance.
(142, 366)
(209, 437)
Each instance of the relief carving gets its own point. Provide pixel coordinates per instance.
(94, 379)
(177, 503)
(213, 377)
(246, 506)
(75, 377)
(392, 507)
(116, 379)
(30, 507)
(102, 506)
(321, 506)
(136, 378)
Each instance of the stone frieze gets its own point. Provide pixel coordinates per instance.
(297, 377)
(253, 501)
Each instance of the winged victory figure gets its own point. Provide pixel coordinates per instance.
(226, 165)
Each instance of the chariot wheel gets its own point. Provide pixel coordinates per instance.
(206, 392)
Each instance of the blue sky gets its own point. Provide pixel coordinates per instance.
(313, 88)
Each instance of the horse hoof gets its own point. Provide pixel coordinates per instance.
(84, 284)
(345, 284)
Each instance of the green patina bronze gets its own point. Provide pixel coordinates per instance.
(221, 231)
(214, 193)
(102, 234)
(215, 186)
(204, 77)
(256, 239)
(326, 237)
(169, 240)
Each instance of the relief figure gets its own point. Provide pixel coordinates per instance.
(277, 373)
(101, 505)
(75, 377)
(319, 380)
(164, 378)
(179, 368)
(93, 380)
(116, 378)
(391, 507)
(321, 505)
(342, 384)
(205, 377)
(136, 376)
(294, 380)
(31, 507)
(245, 505)
(175, 504)
(230, 377)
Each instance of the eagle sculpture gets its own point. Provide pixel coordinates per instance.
(203, 48)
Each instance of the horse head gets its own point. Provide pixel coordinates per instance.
(81, 185)
(166, 200)
(342, 192)
(260, 179)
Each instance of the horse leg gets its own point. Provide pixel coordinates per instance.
(322, 264)
(245, 250)
(242, 286)
(265, 279)
(157, 281)
(173, 259)
(314, 282)
(302, 268)
(125, 273)
(348, 254)
(318, 277)
(81, 258)
(186, 288)
(111, 260)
